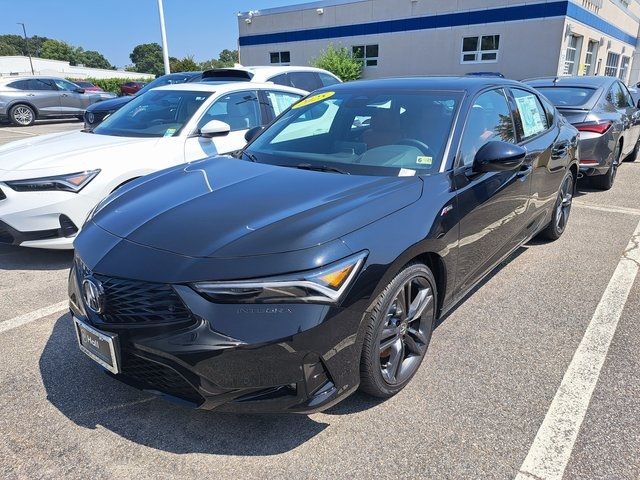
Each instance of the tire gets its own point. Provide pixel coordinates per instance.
(561, 210)
(605, 182)
(22, 115)
(633, 156)
(392, 334)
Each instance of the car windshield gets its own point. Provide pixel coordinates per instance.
(368, 132)
(164, 80)
(567, 96)
(158, 113)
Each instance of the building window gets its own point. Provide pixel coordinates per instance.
(611, 69)
(572, 54)
(624, 69)
(592, 53)
(280, 58)
(480, 49)
(593, 5)
(367, 53)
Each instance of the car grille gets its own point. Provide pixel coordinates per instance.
(141, 303)
(151, 375)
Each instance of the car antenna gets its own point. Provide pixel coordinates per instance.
(555, 80)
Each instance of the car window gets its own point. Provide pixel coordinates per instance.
(567, 96)
(241, 110)
(550, 110)
(280, 101)
(616, 96)
(627, 95)
(531, 119)
(38, 84)
(327, 79)
(19, 84)
(281, 79)
(489, 119)
(308, 81)
(64, 85)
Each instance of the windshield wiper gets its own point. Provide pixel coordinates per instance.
(320, 168)
(250, 156)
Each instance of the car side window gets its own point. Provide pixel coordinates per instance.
(550, 110)
(280, 101)
(627, 95)
(308, 81)
(531, 118)
(241, 110)
(616, 96)
(327, 79)
(19, 84)
(489, 119)
(38, 84)
(64, 85)
(281, 79)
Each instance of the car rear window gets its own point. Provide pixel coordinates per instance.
(567, 96)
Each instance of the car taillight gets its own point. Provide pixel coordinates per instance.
(594, 127)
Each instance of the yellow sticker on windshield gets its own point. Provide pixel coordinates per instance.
(424, 160)
(313, 99)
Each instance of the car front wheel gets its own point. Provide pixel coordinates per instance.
(399, 330)
(561, 209)
(22, 115)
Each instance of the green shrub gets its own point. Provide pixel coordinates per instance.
(111, 84)
(340, 62)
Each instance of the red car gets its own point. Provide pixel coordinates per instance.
(131, 88)
(88, 86)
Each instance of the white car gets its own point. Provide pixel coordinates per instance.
(49, 184)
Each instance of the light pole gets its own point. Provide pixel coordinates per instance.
(163, 31)
(26, 43)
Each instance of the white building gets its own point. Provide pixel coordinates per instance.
(19, 65)
(519, 38)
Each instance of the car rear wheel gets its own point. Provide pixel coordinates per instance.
(605, 182)
(22, 115)
(399, 331)
(561, 210)
(633, 156)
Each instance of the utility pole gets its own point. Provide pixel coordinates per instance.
(26, 43)
(163, 31)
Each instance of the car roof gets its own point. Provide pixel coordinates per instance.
(228, 87)
(28, 77)
(591, 81)
(461, 83)
(261, 73)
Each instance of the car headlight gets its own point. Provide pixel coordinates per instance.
(324, 285)
(72, 182)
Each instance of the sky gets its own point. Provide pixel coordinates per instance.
(201, 28)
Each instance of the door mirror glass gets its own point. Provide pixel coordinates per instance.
(498, 156)
(215, 128)
(252, 133)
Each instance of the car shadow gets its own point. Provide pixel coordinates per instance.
(81, 391)
(21, 258)
(48, 121)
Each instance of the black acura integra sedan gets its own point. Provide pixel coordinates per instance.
(319, 259)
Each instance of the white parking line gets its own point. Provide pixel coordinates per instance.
(33, 316)
(606, 208)
(552, 447)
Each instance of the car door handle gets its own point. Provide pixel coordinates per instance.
(31, 94)
(65, 94)
(559, 150)
(524, 171)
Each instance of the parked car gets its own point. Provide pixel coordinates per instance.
(323, 261)
(88, 86)
(97, 112)
(23, 100)
(51, 182)
(131, 88)
(608, 119)
(304, 78)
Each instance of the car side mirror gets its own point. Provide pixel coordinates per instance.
(215, 128)
(498, 156)
(79, 90)
(252, 133)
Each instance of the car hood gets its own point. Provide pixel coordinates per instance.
(68, 150)
(228, 208)
(109, 105)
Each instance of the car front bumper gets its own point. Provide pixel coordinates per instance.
(298, 358)
(42, 219)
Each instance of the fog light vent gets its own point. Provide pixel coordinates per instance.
(67, 227)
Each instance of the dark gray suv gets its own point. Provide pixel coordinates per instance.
(25, 99)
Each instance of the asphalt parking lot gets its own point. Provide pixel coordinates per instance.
(529, 348)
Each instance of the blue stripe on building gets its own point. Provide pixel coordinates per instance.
(476, 17)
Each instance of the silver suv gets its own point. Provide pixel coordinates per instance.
(25, 99)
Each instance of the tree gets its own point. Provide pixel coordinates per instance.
(7, 49)
(147, 58)
(56, 50)
(227, 58)
(94, 59)
(187, 64)
(339, 61)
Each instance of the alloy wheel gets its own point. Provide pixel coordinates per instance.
(404, 334)
(565, 198)
(22, 115)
